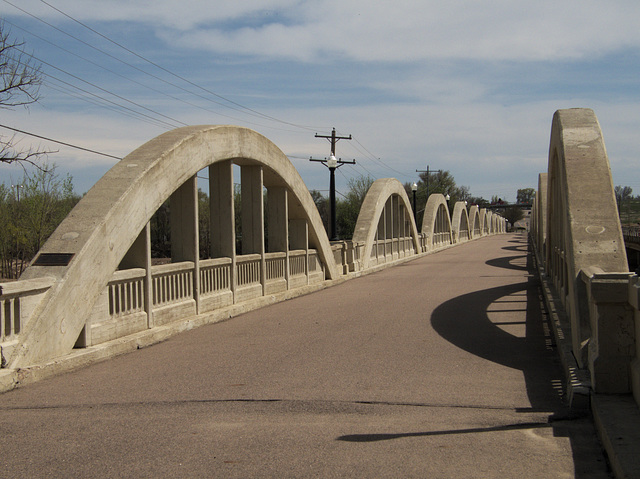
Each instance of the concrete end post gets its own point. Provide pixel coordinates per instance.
(612, 345)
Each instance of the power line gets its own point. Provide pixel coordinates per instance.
(96, 64)
(263, 115)
(229, 103)
(379, 161)
(59, 142)
(101, 103)
(118, 59)
(120, 97)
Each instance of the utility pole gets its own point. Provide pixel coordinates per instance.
(333, 139)
(333, 164)
(428, 172)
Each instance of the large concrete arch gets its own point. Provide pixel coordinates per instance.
(371, 212)
(583, 229)
(436, 224)
(460, 223)
(93, 240)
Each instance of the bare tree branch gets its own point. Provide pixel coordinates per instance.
(20, 81)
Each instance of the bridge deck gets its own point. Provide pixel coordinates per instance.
(440, 367)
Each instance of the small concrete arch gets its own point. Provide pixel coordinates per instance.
(436, 223)
(110, 224)
(489, 222)
(484, 225)
(385, 218)
(582, 216)
(460, 223)
(474, 222)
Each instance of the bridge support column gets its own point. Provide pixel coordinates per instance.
(222, 215)
(395, 231)
(634, 300)
(299, 239)
(251, 178)
(184, 229)
(278, 224)
(278, 212)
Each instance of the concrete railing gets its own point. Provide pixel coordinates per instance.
(123, 308)
(18, 300)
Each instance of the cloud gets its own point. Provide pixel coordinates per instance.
(468, 86)
(361, 30)
(406, 31)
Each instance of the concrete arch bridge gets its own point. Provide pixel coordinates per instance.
(93, 282)
(592, 297)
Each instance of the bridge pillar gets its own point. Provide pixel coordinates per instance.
(184, 222)
(611, 346)
(278, 215)
(298, 234)
(252, 210)
(184, 230)
(299, 240)
(222, 214)
(139, 256)
(252, 198)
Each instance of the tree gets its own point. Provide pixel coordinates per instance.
(204, 224)
(348, 209)
(322, 203)
(623, 195)
(479, 201)
(29, 212)
(512, 214)
(20, 80)
(526, 196)
(439, 182)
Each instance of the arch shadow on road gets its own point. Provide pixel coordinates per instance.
(465, 321)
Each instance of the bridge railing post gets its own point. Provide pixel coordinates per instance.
(18, 300)
(612, 345)
(634, 301)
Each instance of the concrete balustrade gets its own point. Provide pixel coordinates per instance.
(18, 300)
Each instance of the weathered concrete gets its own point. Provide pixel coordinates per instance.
(446, 375)
(590, 293)
(583, 228)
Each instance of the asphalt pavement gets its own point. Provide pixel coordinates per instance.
(441, 367)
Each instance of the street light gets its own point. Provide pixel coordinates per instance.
(17, 188)
(414, 189)
(333, 164)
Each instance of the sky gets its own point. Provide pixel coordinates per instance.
(465, 86)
